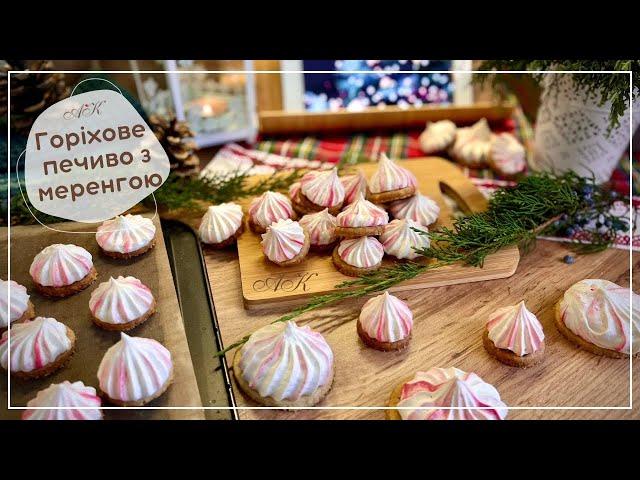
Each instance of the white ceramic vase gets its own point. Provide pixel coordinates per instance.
(571, 131)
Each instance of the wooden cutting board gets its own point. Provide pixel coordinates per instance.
(265, 284)
(92, 342)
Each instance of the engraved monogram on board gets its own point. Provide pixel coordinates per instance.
(284, 283)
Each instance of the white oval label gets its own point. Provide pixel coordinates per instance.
(91, 157)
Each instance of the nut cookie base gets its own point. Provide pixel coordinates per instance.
(307, 206)
(581, 342)
(350, 270)
(126, 255)
(356, 232)
(67, 290)
(123, 327)
(304, 401)
(52, 367)
(379, 345)
(392, 195)
(299, 257)
(394, 399)
(229, 241)
(510, 358)
(143, 401)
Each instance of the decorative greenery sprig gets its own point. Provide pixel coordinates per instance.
(514, 217)
(185, 193)
(613, 88)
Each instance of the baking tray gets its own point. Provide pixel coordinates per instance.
(200, 321)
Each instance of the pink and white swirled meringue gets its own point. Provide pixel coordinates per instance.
(286, 362)
(516, 329)
(125, 233)
(59, 265)
(120, 300)
(386, 318)
(321, 227)
(270, 207)
(353, 185)
(362, 213)
(438, 136)
(472, 144)
(68, 395)
(323, 188)
(398, 238)
(34, 344)
(293, 190)
(598, 311)
(424, 397)
(135, 369)
(16, 302)
(507, 154)
(390, 176)
(283, 241)
(419, 208)
(220, 222)
(362, 252)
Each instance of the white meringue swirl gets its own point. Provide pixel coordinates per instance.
(507, 154)
(125, 233)
(598, 311)
(220, 222)
(363, 252)
(120, 300)
(362, 213)
(34, 344)
(283, 241)
(18, 303)
(323, 188)
(419, 208)
(270, 207)
(134, 369)
(286, 362)
(516, 329)
(65, 394)
(321, 227)
(472, 144)
(399, 240)
(353, 185)
(390, 176)
(386, 318)
(59, 265)
(424, 396)
(438, 136)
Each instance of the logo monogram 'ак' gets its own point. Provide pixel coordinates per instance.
(283, 283)
(85, 110)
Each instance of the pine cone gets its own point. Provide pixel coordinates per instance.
(176, 138)
(31, 93)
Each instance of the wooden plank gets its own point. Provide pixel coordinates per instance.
(265, 283)
(279, 122)
(449, 322)
(92, 342)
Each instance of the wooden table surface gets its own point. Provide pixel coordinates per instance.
(449, 322)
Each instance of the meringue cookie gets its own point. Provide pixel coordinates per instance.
(389, 177)
(353, 185)
(398, 238)
(385, 322)
(38, 347)
(221, 224)
(285, 242)
(419, 208)
(268, 208)
(438, 136)
(285, 365)
(363, 252)
(362, 213)
(121, 303)
(126, 235)
(65, 394)
(472, 144)
(597, 312)
(135, 370)
(517, 330)
(60, 265)
(507, 155)
(323, 188)
(447, 387)
(321, 227)
(19, 306)
(294, 188)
